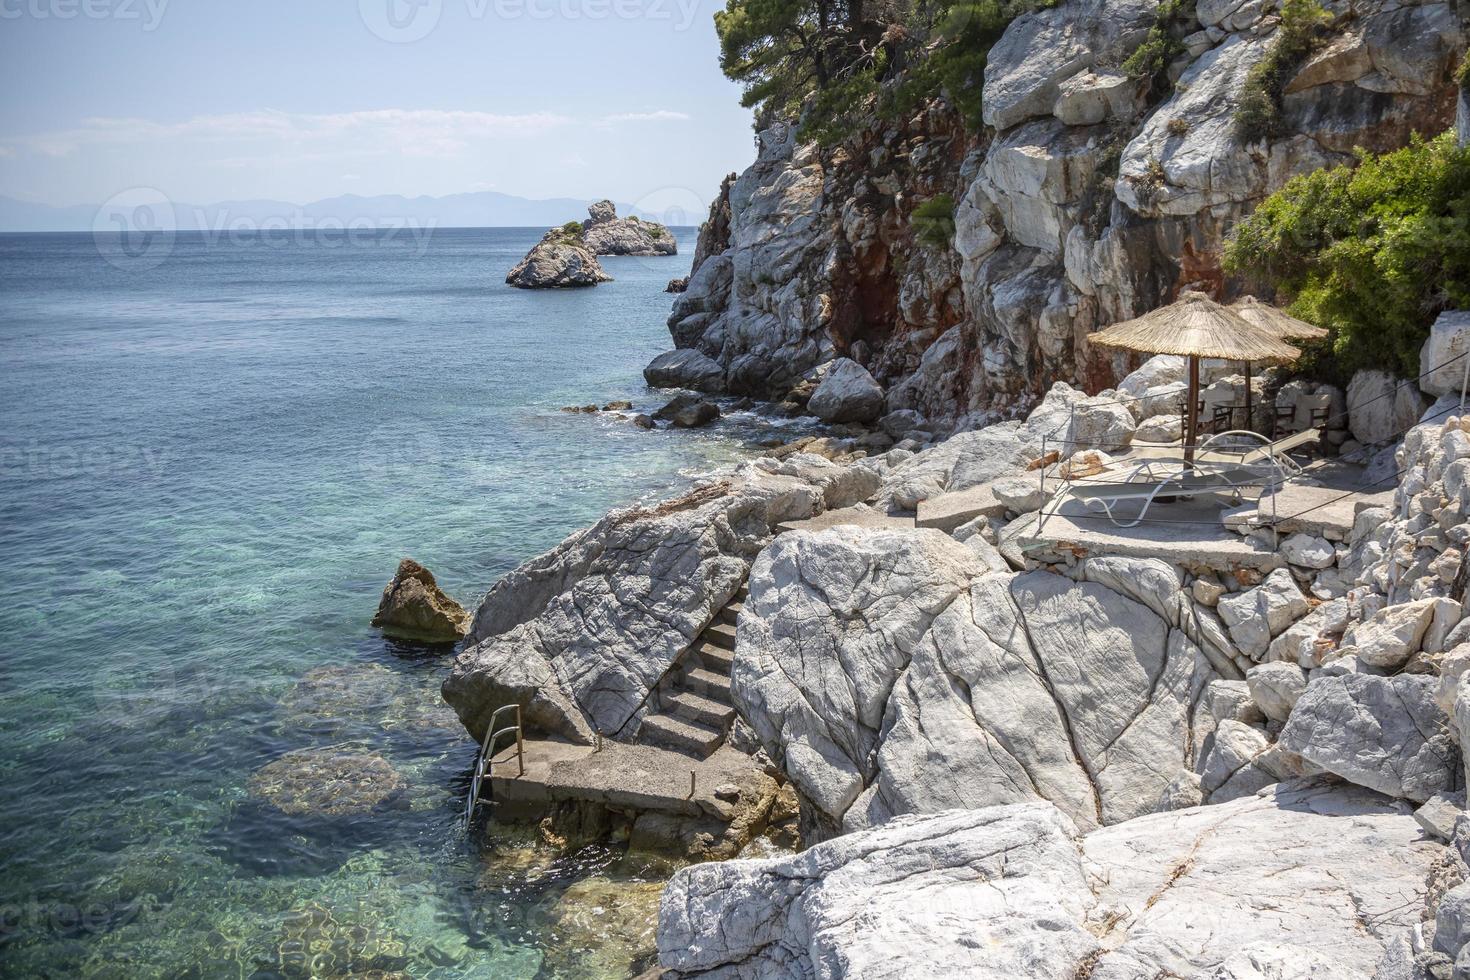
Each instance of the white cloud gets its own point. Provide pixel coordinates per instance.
(658, 115)
(415, 132)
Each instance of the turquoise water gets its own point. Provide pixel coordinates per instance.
(209, 467)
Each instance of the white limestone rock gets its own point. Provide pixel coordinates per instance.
(1443, 356)
(1380, 409)
(560, 260)
(891, 672)
(1276, 688)
(1258, 615)
(1088, 97)
(1385, 733)
(1392, 635)
(1040, 50)
(684, 368)
(1008, 893)
(607, 234)
(1308, 551)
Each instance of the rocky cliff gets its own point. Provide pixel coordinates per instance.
(1089, 196)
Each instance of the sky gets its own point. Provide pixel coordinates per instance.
(298, 100)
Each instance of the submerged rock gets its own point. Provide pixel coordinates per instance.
(607, 234)
(315, 943)
(413, 607)
(561, 259)
(326, 782)
(1009, 892)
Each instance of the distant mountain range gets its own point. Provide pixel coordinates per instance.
(483, 209)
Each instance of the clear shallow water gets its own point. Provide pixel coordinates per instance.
(208, 470)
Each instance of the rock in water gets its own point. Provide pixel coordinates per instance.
(1009, 892)
(847, 393)
(607, 234)
(561, 259)
(688, 412)
(413, 607)
(326, 782)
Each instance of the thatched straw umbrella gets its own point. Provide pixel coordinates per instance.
(1195, 326)
(1276, 322)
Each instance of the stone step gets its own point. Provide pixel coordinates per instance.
(691, 707)
(729, 614)
(721, 635)
(680, 735)
(709, 684)
(742, 593)
(714, 659)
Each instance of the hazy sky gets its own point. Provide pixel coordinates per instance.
(295, 100)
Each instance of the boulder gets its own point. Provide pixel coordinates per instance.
(901, 422)
(1160, 429)
(688, 412)
(414, 608)
(1258, 615)
(1009, 893)
(1380, 408)
(684, 368)
(1088, 97)
(1385, 733)
(1392, 635)
(1308, 551)
(1099, 423)
(607, 234)
(560, 260)
(1443, 356)
(847, 393)
(1276, 687)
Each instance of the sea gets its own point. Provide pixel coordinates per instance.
(215, 449)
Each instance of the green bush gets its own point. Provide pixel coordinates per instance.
(1258, 116)
(572, 229)
(933, 221)
(1372, 252)
(1150, 60)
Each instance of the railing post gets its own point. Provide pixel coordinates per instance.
(520, 745)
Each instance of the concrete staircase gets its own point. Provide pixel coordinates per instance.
(694, 707)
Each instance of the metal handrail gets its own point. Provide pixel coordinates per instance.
(485, 762)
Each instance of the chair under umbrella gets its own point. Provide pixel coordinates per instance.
(1195, 326)
(1276, 322)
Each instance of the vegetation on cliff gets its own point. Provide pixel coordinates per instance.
(1373, 252)
(830, 62)
(1259, 114)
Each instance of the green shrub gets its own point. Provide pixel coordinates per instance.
(933, 221)
(1373, 253)
(572, 229)
(1150, 60)
(1258, 115)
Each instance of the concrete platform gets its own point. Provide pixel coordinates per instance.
(950, 510)
(860, 515)
(1189, 533)
(635, 778)
(1323, 511)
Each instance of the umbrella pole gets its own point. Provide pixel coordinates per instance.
(1191, 428)
(1250, 419)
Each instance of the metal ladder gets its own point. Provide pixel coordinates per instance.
(485, 763)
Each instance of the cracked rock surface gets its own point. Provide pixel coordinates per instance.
(893, 672)
(1012, 892)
